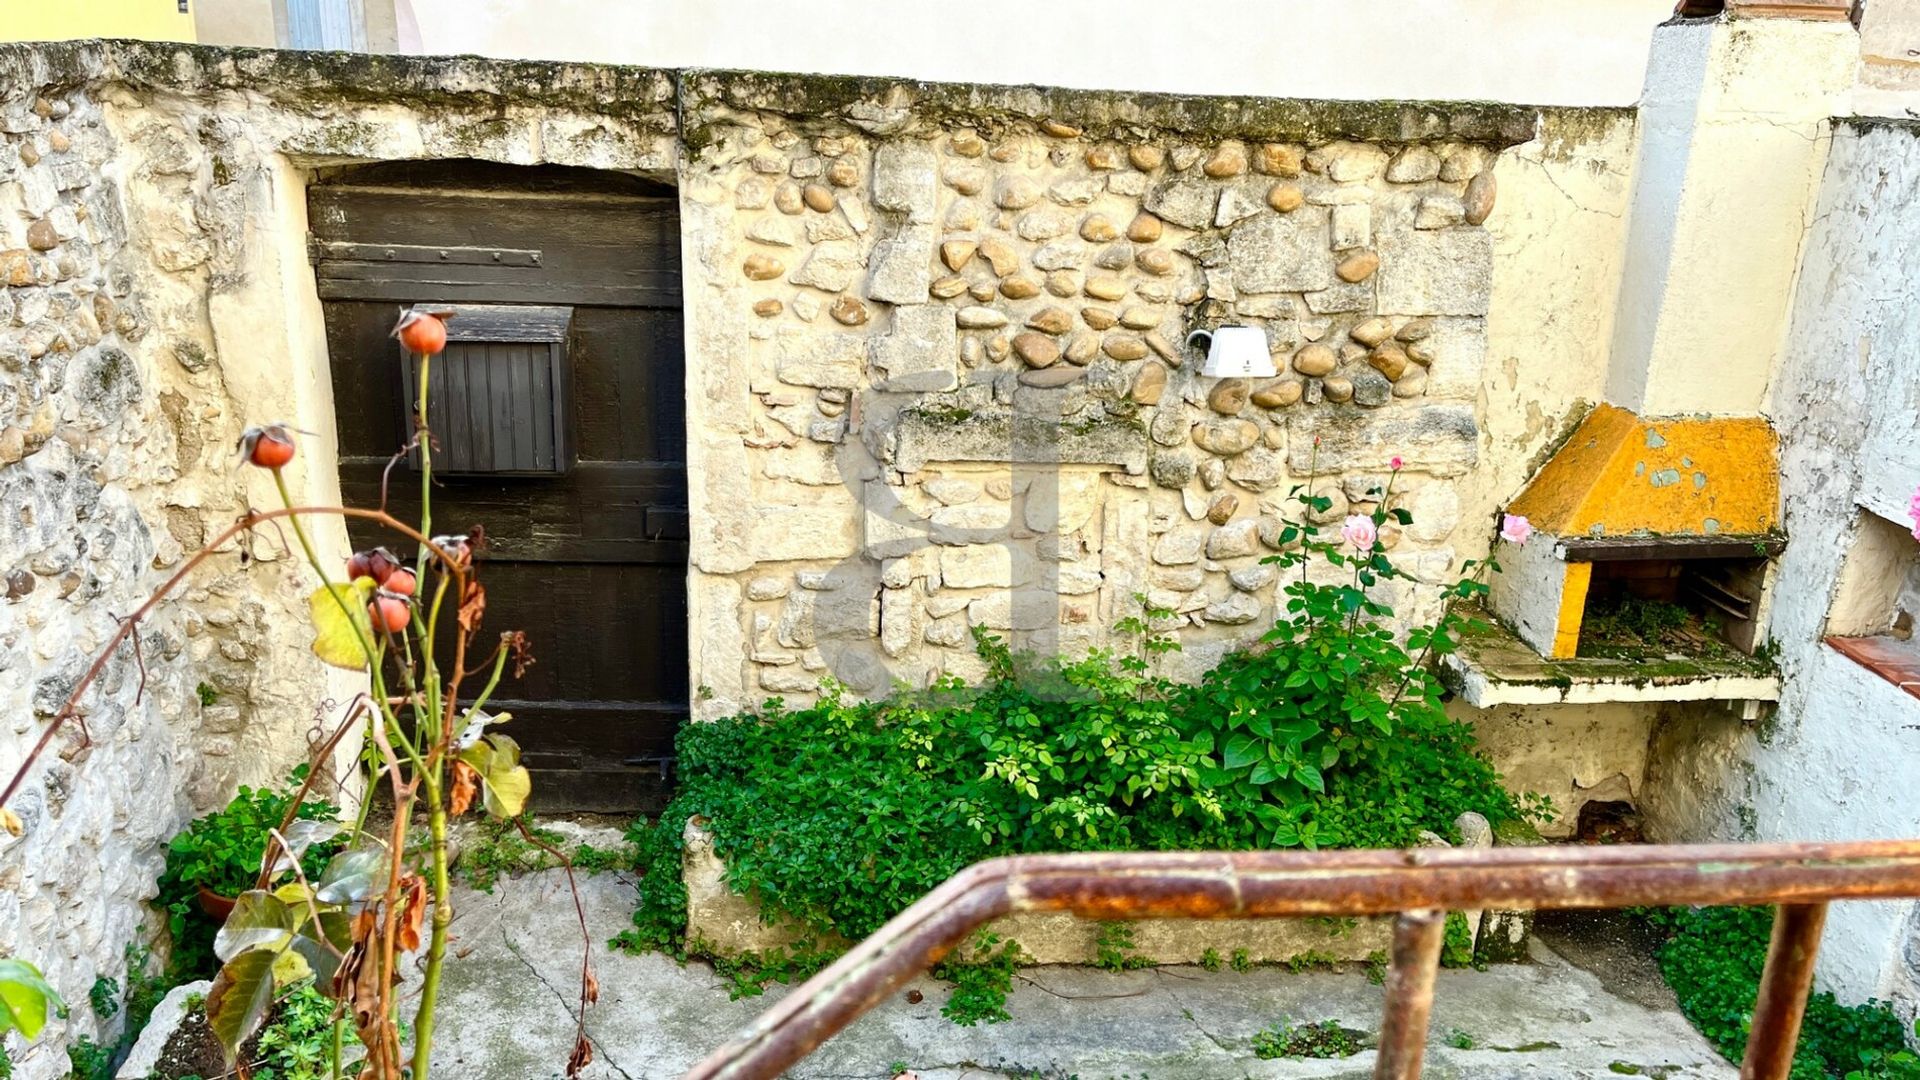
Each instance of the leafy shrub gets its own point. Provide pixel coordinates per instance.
(1328, 732)
(221, 852)
(1713, 962)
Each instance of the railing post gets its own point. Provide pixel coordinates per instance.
(1784, 984)
(1417, 937)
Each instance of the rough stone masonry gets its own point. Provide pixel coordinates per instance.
(938, 379)
(947, 347)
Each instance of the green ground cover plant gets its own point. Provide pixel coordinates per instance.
(221, 852)
(1713, 957)
(1326, 1039)
(1328, 732)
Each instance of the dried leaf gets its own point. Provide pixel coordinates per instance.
(581, 1057)
(473, 606)
(590, 987)
(466, 783)
(413, 911)
(522, 653)
(10, 821)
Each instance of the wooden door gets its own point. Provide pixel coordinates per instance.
(589, 561)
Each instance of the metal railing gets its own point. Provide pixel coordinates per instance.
(1419, 886)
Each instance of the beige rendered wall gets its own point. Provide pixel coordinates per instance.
(1591, 53)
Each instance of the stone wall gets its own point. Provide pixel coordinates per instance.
(157, 300)
(1837, 760)
(946, 347)
(937, 378)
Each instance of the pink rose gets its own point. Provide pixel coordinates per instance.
(1515, 528)
(1395, 464)
(1358, 531)
(1913, 512)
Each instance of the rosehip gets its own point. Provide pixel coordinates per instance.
(376, 563)
(399, 582)
(269, 447)
(421, 332)
(389, 613)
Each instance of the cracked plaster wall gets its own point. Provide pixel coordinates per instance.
(1838, 758)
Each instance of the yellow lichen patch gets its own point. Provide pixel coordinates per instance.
(1621, 475)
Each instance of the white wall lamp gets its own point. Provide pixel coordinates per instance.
(1234, 352)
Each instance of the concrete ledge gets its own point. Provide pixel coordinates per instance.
(729, 924)
(1494, 667)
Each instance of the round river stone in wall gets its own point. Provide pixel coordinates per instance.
(1038, 350)
(1279, 159)
(1389, 359)
(1150, 384)
(1019, 287)
(1479, 197)
(1228, 397)
(1372, 332)
(955, 253)
(1051, 320)
(1278, 394)
(1358, 266)
(1124, 347)
(1230, 159)
(1226, 437)
(1314, 360)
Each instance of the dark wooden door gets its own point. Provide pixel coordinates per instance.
(589, 561)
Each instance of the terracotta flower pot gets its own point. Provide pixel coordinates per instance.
(216, 906)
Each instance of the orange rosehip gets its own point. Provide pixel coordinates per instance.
(421, 332)
(389, 613)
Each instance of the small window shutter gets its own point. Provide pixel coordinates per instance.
(337, 25)
(498, 396)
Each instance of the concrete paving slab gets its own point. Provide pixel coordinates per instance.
(511, 982)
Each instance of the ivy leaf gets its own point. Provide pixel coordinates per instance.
(239, 999)
(334, 639)
(25, 997)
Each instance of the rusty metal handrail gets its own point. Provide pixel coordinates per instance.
(1419, 885)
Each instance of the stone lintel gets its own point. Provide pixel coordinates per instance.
(930, 433)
